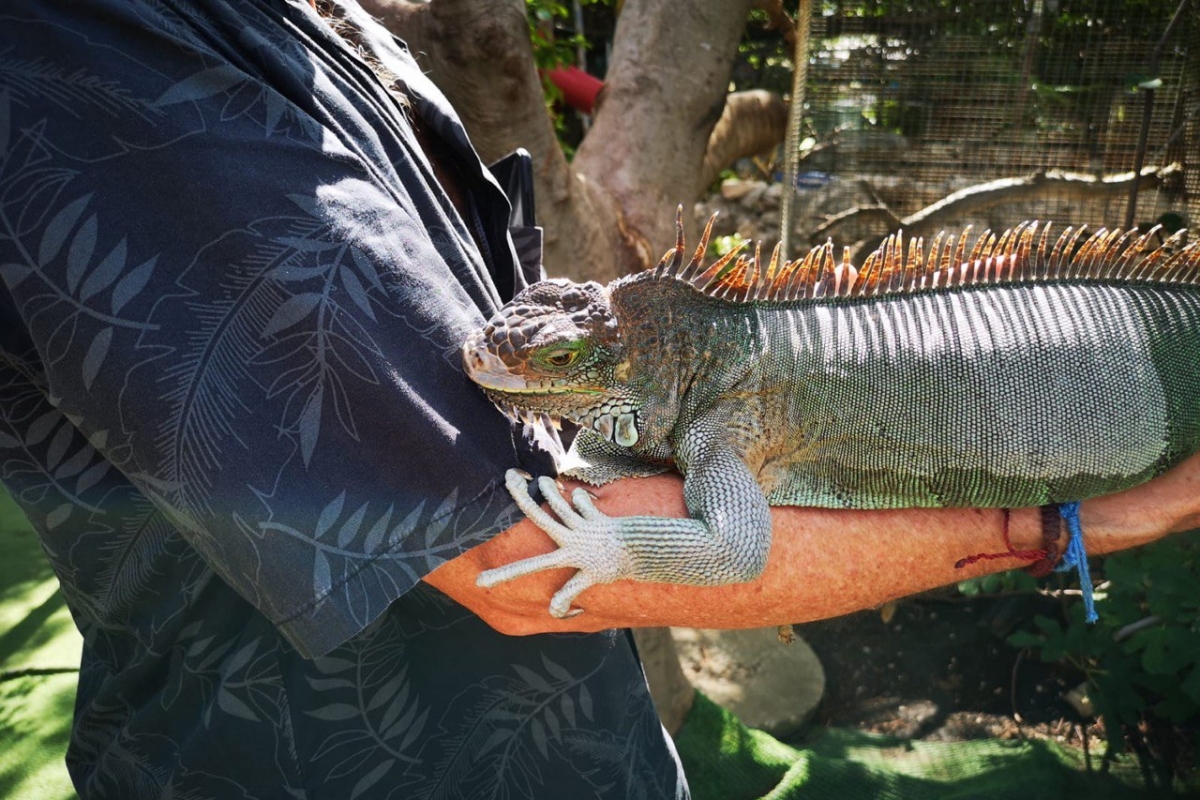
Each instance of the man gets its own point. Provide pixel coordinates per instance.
(240, 245)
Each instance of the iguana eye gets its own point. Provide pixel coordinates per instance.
(560, 356)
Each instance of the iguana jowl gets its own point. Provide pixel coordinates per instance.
(1030, 370)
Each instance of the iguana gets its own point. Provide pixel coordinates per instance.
(1029, 370)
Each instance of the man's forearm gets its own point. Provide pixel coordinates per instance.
(823, 562)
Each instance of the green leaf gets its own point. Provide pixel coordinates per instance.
(1190, 685)
(1026, 639)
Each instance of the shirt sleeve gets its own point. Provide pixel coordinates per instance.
(245, 287)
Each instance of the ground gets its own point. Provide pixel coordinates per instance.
(939, 669)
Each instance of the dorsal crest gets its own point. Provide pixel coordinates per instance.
(1028, 252)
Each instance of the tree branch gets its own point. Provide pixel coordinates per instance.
(856, 214)
(1075, 186)
(983, 196)
(751, 123)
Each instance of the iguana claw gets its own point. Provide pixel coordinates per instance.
(588, 540)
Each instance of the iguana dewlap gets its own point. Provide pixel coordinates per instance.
(1031, 370)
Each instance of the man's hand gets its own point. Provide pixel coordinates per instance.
(823, 562)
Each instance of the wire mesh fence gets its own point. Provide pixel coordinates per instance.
(1000, 111)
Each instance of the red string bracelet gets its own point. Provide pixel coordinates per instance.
(1038, 557)
(1051, 533)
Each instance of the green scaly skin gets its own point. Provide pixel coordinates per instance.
(1004, 392)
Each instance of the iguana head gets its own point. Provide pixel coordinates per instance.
(555, 349)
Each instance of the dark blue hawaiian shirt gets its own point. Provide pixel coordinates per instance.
(232, 294)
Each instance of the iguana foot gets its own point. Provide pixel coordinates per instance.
(588, 540)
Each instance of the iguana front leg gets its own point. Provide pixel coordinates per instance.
(726, 540)
(595, 460)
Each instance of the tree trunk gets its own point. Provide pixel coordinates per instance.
(612, 211)
(479, 54)
(673, 693)
(664, 92)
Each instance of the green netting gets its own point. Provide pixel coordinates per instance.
(725, 760)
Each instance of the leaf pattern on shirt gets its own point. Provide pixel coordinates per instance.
(69, 88)
(232, 407)
(383, 717)
(510, 726)
(56, 239)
